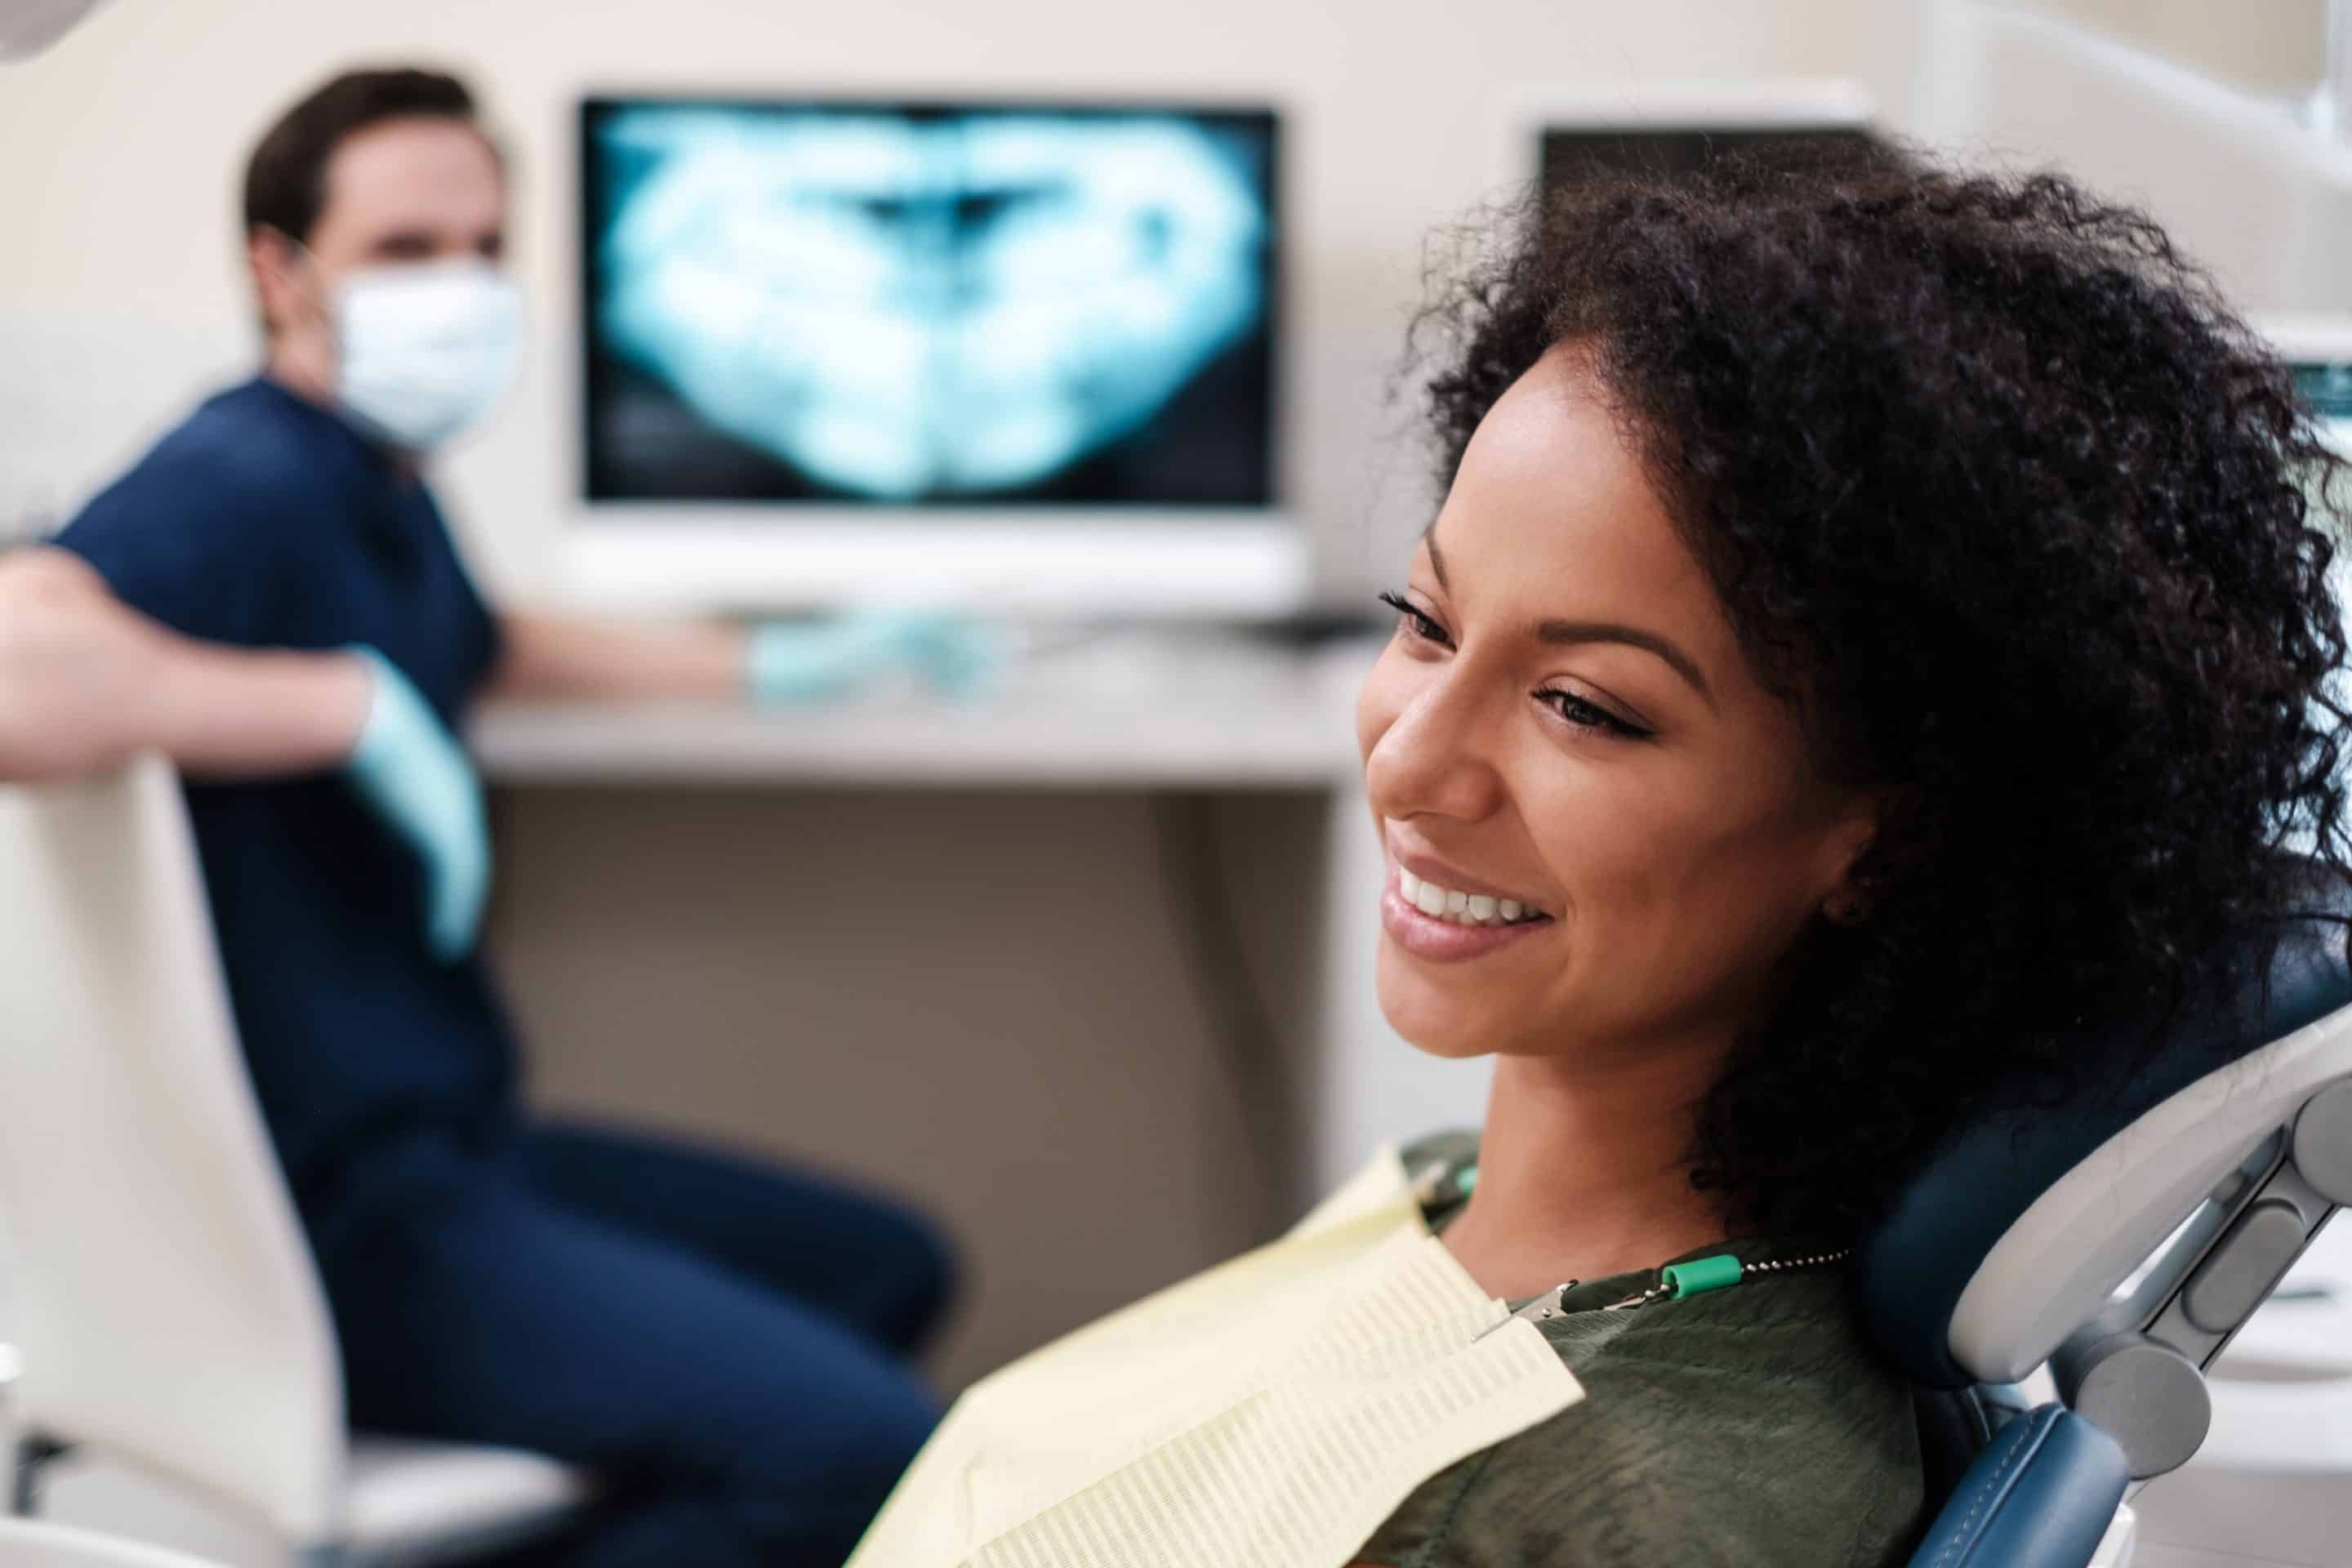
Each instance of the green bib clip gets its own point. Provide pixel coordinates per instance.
(1699, 1276)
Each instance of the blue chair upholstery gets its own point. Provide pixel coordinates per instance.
(1913, 1268)
(2038, 1497)
(2045, 1485)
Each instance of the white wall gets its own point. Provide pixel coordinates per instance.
(2243, 185)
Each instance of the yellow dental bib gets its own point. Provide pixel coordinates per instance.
(1270, 1413)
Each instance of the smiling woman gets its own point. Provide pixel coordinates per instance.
(1876, 624)
(1566, 720)
(1876, 629)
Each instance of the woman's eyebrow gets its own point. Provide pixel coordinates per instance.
(1561, 634)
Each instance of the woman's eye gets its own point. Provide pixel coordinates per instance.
(1423, 627)
(1586, 715)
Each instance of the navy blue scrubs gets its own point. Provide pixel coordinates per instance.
(720, 1342)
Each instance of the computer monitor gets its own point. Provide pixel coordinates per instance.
(939, 351)
(2317, 348)
(1672, 127)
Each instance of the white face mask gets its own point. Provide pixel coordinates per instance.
(427, 349)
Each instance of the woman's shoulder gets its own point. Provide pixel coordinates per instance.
(1751, 1426)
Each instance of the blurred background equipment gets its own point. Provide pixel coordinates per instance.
(1674, 131)
(2319, 348)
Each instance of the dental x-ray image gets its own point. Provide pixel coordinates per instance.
(904, 305)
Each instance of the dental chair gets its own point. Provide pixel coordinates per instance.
(2111, 1246)
(167, 1309)
(27, 1543)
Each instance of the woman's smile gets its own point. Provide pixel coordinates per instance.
(1431, 920)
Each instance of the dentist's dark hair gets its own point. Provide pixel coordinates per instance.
(285, 178)
(2034, 533)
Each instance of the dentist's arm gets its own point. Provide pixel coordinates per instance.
(774, 662)
(86, 682)
(550, 656)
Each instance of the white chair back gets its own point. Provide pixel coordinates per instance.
(168, 1310)
(26, 1544)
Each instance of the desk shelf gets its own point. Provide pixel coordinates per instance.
(1278, 724)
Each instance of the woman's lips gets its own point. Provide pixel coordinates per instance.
(1445, 941)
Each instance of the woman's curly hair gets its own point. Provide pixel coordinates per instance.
(2028, 528)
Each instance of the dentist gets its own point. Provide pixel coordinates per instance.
(270, 597)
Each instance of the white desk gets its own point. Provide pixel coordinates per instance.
(1242, 719)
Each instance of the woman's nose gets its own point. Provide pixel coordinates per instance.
(1436, 756)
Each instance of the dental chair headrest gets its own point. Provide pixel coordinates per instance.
(2019, 1230)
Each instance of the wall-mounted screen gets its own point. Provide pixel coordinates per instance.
(926, 306)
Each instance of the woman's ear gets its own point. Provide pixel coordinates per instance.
(1846, 847)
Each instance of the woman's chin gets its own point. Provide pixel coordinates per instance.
(1430, 1020)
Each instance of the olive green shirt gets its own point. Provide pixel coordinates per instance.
(1751, 1426)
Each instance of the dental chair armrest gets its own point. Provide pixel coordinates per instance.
(2041, 1496)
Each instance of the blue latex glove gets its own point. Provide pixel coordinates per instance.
(413, 774)
(811, 661)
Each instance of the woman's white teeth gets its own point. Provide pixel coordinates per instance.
(1461, 908)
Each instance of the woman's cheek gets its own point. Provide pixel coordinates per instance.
(1382, 697)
